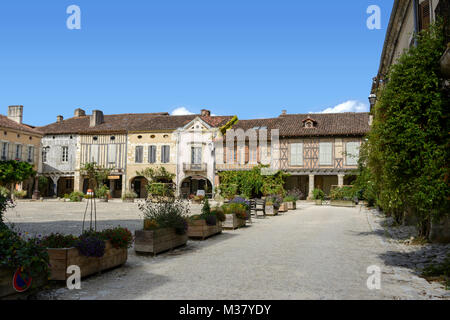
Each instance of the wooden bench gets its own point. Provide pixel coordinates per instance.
(258, 205)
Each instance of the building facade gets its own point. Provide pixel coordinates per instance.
(21, 142)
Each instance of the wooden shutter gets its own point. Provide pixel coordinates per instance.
(325, 155)
(139, 154)
(152, 154)
(165, 154)
(424, 15)
(112, 151)
(94, 153)
(247, 155)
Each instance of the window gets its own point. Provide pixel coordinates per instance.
(65, 154)
(44, 154)
(94, 153)
(165, 154)
(152, 154)
(196, 155)
(5, 149)
(18, 152)
(325, 153)
(352, 153)
(112, 151)
(139, 154)
(424, 15)
(296, 154)
(30, 154)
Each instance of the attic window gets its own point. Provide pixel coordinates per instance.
(309, 123)
(95, 138)
(153, 136)
(113, 138)
(139, 137)
(166, 136)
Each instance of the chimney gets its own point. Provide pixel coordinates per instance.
(15, 113)
(96, 118)
(205, 113)
(59, 119)
(283, 112)
(79, 113)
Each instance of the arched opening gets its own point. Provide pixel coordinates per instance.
(193, 184)
(139, 186)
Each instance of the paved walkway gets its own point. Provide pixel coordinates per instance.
(311, 253)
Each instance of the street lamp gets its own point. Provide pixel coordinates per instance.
(372, 99)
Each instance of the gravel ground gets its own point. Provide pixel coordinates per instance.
(310, 253)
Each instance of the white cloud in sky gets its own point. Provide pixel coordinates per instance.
(181, 111)
(348, 106)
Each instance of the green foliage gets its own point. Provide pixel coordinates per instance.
(129, 195)
(318, 194)
(57, 241)
(102, 192)
(13, 171)
(20, 194)
(408, 146)
(120, 238)
(206, 209)
(4, 192)
(169, 214)
(235, 208)
(439, 270)
(43, 184)
(342, 193)
(160, 182)
(76, 196)
(95, 173)
(17, 252)
(229, 124)
(251, 183)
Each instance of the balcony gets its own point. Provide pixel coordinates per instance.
(196, 167)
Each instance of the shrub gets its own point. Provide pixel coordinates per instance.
(150, 224)
(57, 240)
(342, 193)
(4, 192)
(102, 192)
(129, 195)
(171, 214)
(218, 212)
(275, 201)
(20, 194)
(241, 201)
(295, 193)
(211, 220)
(318, 194)
(119, 237)
(90, 245)
(289, 199)
(16, 252)
(76, 196)
(206, 209)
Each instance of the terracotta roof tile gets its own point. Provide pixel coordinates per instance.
(5, 122)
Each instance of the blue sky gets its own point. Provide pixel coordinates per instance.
(252, 58)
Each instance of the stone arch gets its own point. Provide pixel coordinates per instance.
(138, 184)
(191, 184)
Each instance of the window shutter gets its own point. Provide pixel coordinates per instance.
(112, 151)
(352, 153)
(94, 153)
(139, 154)
(296, 154)
(165, 154)
(152, 154)
(325, 155)
(424, 15)
(247, 154)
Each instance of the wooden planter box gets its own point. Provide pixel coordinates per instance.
(60, 259)
(318, 202)
(156, 241)
(199, 229)
(102, 199)
(271, 211)
(342, 203)
(128, 200)
(6, 285)
(292, 205)
(283, 207)
(233, 222)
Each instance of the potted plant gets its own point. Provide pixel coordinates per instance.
(102, 193)
(165, 226)
(198, 199)
(342, 196)
(291, 202)
(76, 196)
(207, 224)
(283, 205)
(292, 197)
(20, 194)
(318, 196)
(129, 196)
(235, 215)
(92, 251)
(246, 203)
(20, 255)
(273, 203)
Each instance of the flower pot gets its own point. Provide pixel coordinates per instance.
(292, 205)
(156, 241)
(283, 207)
(271, 211)
(60, 259)
(342, 203)
(199, 229)
(233, 222)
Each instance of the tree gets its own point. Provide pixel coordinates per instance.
(12, 172)
(96, 174)
(408, 146)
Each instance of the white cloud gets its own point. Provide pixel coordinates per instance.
(181, 111)
(348, 106)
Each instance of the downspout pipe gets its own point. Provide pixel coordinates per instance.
(416, 20)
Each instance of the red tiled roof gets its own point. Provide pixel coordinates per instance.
(327, 124)
(117, 123)
(7, 123)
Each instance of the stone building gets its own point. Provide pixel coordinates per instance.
(317, 150)
(19, 141)
(409, 17)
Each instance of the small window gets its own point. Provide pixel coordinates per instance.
(95, 138)
(196, 155)
(352, 153)
(30, 154)
(113, 138)
(5, 150)
(139, 137)
(152, 154)
(65, 154)
(296, 154)
(165, 154)
(139, 154)
(44, 155)
(166, 136)
(18, 152)
(153, 136)
(112, 151)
